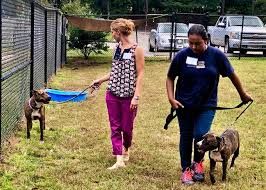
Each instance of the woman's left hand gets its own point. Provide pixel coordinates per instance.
(246, 98)
(134, 104)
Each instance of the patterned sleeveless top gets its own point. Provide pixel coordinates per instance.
(123, 75)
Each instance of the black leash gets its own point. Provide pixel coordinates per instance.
(93, 87)
(171, 116)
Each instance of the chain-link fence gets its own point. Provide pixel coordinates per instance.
(237, 36)
(162, 35)
(32, 50)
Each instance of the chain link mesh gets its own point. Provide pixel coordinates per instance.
(16, 60)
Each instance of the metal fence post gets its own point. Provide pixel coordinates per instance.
(56, 31)
(45, 49)
(137, 34)
(1, 79)
(65, 38)
(32, 48)
(241, 36)
(206, 21)
(62, 42)
(172, 35)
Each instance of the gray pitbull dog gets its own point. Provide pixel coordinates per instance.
(34, 110)
(220, 149)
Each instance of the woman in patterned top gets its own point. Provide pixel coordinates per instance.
(124, 87)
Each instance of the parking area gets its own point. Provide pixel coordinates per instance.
(142, 38)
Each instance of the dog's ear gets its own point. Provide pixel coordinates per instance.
(219, 139)
(34, 92)
(208, 134)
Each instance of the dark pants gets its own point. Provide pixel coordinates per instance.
(193, 124)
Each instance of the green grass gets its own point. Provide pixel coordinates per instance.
(77, 148)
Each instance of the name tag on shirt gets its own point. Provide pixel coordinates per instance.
(200, 65)
(191, 61)
(127, 55)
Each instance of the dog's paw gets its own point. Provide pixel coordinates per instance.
(41, 142)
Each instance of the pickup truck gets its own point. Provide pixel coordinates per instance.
(227, 33)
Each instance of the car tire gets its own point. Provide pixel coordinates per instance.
(227, 48)
(243, 51)
(264, 53)
(210, 42)
(151, 49)
(156, 48)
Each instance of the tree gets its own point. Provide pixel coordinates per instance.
(75, 7)
(88, 42)
(115, 6)
(238, 6)
(260, 7)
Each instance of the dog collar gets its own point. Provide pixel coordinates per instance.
(36, 106)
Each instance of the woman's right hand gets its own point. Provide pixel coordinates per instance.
(175, 104)
(96, 83)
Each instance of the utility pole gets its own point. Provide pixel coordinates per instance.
(108, 9)
(147, 6)
(223, 5)
(253, 6)
(146, 13)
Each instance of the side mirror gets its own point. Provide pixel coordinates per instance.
(221, 24)
(153, 31)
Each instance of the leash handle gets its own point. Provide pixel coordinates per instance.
(169, 118)
(251, 101)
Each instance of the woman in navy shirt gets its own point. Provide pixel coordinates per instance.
(198, 68)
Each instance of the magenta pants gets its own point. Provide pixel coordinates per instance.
(121, 120)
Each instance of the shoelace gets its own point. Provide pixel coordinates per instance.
(187, 175)
(199, 167)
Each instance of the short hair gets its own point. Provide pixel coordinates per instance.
(122, 25)
(198, 29)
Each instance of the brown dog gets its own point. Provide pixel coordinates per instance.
(220, 149)
(34, 110)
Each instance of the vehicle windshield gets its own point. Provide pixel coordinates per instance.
(248, 21)
(167, 28)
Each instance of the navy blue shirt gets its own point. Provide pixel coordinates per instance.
(198, 76)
